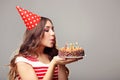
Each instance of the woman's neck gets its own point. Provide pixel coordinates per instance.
(40, 50)
(42, 57)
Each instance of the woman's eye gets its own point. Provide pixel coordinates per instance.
(46, 30)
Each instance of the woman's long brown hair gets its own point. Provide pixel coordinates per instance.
(30, 43)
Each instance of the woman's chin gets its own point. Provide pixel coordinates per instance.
(50, 46)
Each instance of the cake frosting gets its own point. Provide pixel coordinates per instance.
(71, 51)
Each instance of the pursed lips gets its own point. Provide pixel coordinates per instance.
(52, 40)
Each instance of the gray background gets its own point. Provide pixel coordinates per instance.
(94, 24)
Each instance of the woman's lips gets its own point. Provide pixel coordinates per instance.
(52, 40)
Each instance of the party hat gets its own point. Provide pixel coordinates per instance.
(30, 19)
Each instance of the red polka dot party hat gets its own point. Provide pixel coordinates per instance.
(30, 19)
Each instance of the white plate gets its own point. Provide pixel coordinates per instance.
(71, 56)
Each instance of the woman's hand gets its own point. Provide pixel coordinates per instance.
(63, 61)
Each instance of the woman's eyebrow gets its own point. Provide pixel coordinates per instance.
(49, 26)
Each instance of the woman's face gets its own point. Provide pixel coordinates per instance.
(48, 39)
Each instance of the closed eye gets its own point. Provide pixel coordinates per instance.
(47, 28)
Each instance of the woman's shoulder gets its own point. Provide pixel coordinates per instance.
(30, 60)
(26, 59)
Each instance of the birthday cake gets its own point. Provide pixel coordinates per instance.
(71, 51)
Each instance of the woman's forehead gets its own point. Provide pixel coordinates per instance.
(48, 24)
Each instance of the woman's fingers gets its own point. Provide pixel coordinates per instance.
(70, 60)
(60, 60)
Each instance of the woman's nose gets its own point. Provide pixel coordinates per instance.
(52, 32)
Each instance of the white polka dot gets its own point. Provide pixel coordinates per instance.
(20, 10)
(28, 18)
(29, 27)
(30, 14)
(30, 22)
(34, 20)
(32, 25)
(21, 13)
(27, 15)
(23, 16)
(27, 23)
(25, 12)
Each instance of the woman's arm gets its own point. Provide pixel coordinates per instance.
(26, 71)
(55, 61)
(63, 72)
(49, 73)
(62, 69)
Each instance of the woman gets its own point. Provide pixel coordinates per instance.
(37, 57)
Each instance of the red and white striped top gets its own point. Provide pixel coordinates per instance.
(39, 67)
